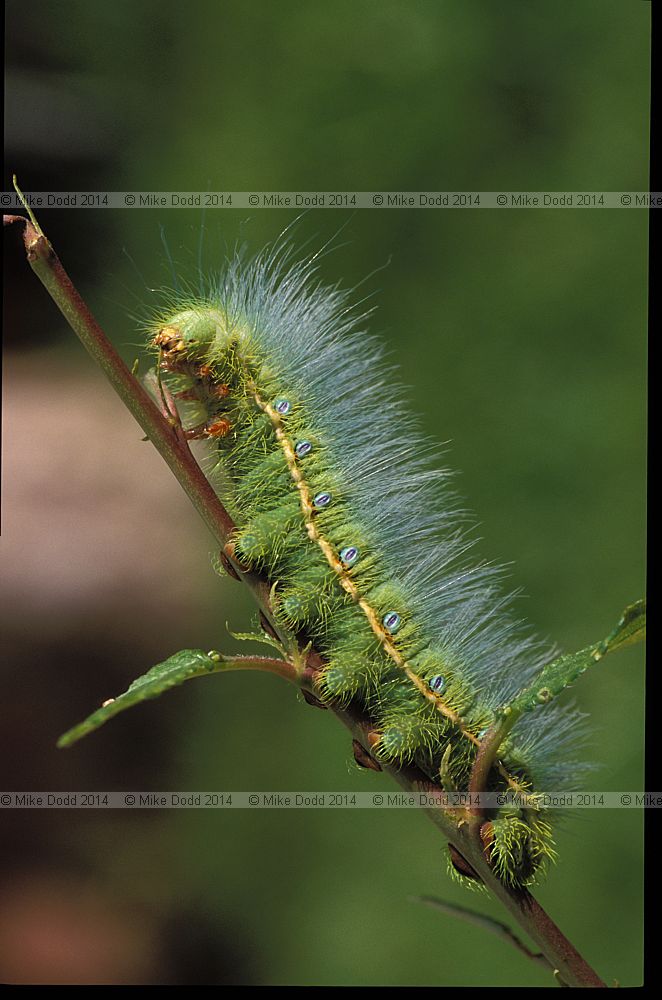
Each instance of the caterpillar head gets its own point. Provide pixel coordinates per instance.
(189, 333)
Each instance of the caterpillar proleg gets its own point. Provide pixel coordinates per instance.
(338, 501)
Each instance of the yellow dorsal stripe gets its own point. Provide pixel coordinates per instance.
(350, 587)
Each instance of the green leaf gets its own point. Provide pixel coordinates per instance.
(259, 637)
(630, 629)
(564, 671)
(173, 671)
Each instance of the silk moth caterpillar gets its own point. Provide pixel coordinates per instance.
(337, 500)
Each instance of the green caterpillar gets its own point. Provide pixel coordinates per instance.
(336, 499)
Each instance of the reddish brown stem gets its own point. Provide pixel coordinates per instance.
(49, 270)
(569, 966)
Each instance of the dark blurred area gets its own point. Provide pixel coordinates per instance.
(522, 336)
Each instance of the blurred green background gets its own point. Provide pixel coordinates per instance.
(521, 333)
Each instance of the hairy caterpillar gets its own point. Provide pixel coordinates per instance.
(336, 498)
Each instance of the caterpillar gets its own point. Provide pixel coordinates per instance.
(338, 501)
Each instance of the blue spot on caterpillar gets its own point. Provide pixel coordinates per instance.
(321, 500)
(391, 622)
(303, 448)
(307, 405)
(282, 406)
(349, 556)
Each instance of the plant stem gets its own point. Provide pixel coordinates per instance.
(485, 758)
(46, 265)
(264, 664)
(49, 270)
(569, 966)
